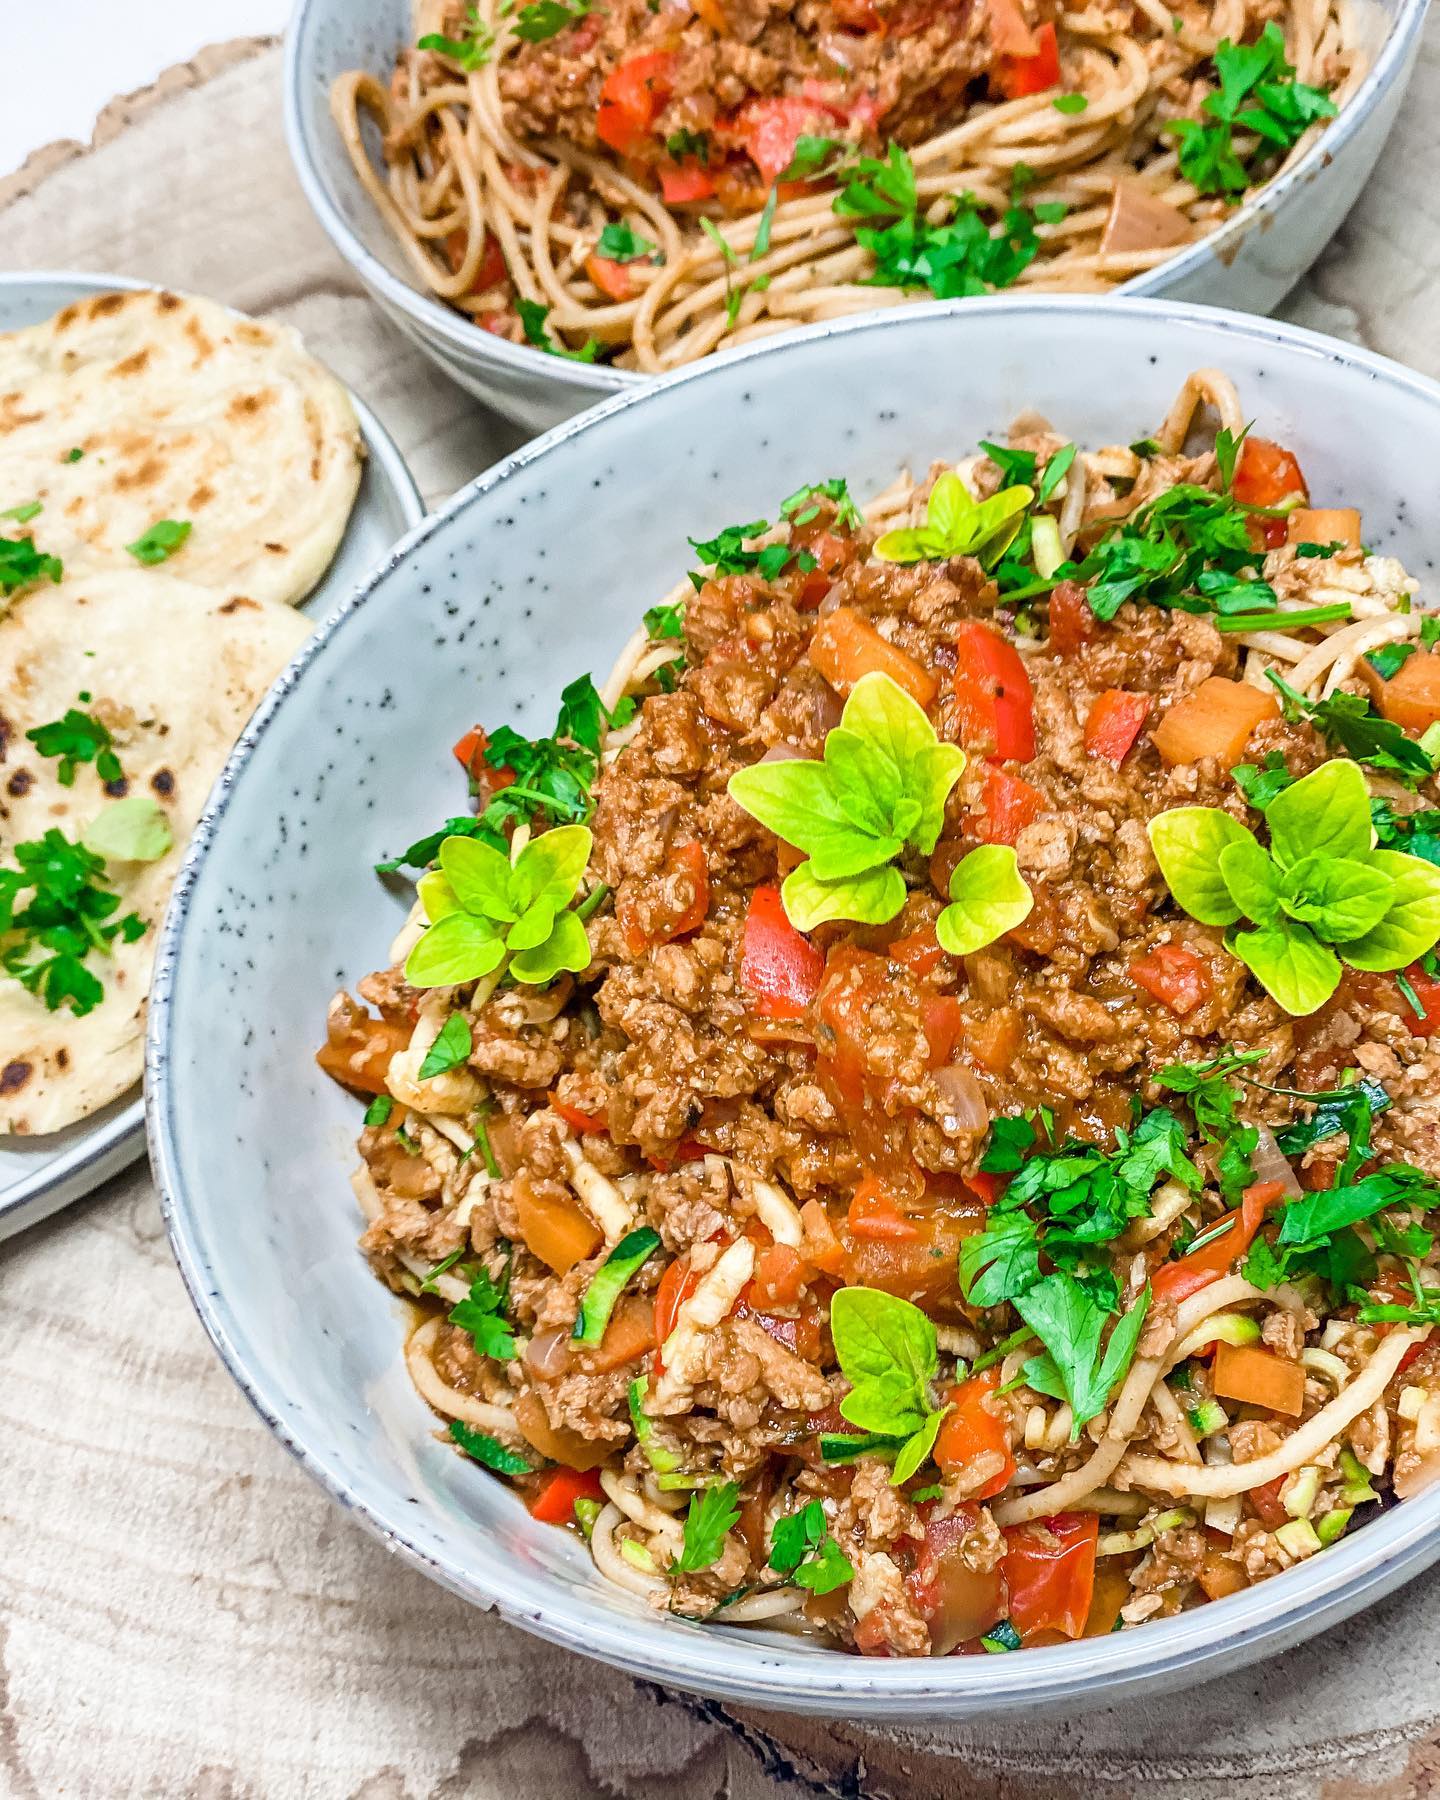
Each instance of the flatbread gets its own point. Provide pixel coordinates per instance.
(182, 410)
(173, 671)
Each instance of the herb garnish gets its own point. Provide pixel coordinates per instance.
(22, 565)
(533, 315)
(803, 1551)
(483, 1316)
(485, 911)
(956, 524)
(1321, 895)
(620, 243)
(880, 788)
(450, 1049)
(76, 738)
(1258, 92)
(1351, 722)
(131, 830)
(543, 19)
(1073, 1367)
(160, 542)
(472, 51)
(608, 1283)
(887, 1350)
(727, 555)
(69, 914)
(713, 1511)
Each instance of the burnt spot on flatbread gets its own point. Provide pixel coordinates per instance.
(14, 1076)
(147, 475)
(12, 417)
(67, 316)
(7, 733)
(276, 549)
(201, 498)
(204, 345)
(19, 784)
(134, 365)
(62, 1058)
(238, 602)
(167, 302)
(103, 305)
(247, 406)
(119, 788)
(163, 782)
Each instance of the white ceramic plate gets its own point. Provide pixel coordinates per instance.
(535, 572)
(40, 1175)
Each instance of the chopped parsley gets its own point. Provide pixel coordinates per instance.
(712, 1513)
(803, 1551)
(73, 456)
(683, 143)
(1413, 833)
(622, 244)
(378, 1113)
(547, 18)
(471, 51)
(664, 622)
(450, 1050)
(76, 738)
(22, 565)
(1351, 723)
(160, 542)
(804, 504)
(532, 322)
(483, 1316)
(69, 913)
(726, 554)
(1070, 103)
(1189, 549)
(1257, 93)
(1389, 659)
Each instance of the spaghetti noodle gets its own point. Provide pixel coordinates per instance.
(1153, 1259)
(506, 223)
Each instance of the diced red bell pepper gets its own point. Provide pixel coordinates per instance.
(943, 1021)
(1175, 975)
(677, 1284)
(1009, 804)
(1177, 1281)
(632, 96)
(1114, 723)
(771, 127)
(578, 1120)
(690, 901)
(680, 182)
(1017, 76)
(1072, 624)
(1426, 990)
(975, 1427)
(554, 1500)
(1050, 1573)
(920, 952)
(995, 701)
(780, 1274)
(779, 966)
(611, 277)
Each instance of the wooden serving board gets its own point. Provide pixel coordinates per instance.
(181, 1611)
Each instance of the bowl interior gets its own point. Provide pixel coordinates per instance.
(535, 573)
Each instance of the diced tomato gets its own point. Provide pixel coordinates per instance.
(819, 1244)
(769, 129)
(875, 1213)
(1177, 1281)
(688, 899)
(943, 1020)
(577, 1119)
(1265, 474)
(633, 93)
(677, 1284)
(1017, 76)
(993, 695)
(1050, 1573)
(1114, 723)
(1009, 32)
(1072, 624)
(469, 750)
(994, 1039)
(611, 277)
(975, 1427)
(1009, 805)
(856, 15)
(779, 966)
(1269, 1509)
(554, 1500)
(1427, 991)
(493, 269)
(957, 1603)
(984, 1185)
(1175, 975)
(680, 182)
(920, 952)
(780, 1274)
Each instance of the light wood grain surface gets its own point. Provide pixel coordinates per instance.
(181, 1611)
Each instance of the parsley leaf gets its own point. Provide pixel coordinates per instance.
(1186, 550)
(532, 322)
(76, 738)
(622, 244)
(1258, 93)
(45, 943)
(450, 1050)
(713, 1511)
(545, 18)
(472, 51)
(483, 1316)
(803, 1551)
(804, 504)
(160, 542)
(22, 565)
(1074, 1368)
(663, 622)
(1350, 722)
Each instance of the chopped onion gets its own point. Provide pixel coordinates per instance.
(1270, 1164)
(547, 1355)
(963, 1099)
(784, 753)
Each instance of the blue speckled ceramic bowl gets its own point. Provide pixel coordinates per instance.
(1250, 263)
(535, 572)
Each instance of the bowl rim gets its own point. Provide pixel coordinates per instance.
(433, 318)
(1240, 1628)
(93, 1156)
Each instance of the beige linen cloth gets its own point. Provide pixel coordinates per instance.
(181, 1611)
